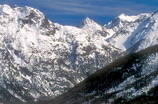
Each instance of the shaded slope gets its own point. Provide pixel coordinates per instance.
(123, 81)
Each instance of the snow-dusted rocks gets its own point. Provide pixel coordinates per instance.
(40, 59)
(132, 79)
(133, 33)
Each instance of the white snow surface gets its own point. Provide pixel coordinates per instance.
(128, 18)
(136, 30)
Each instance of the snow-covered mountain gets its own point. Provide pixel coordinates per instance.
(129, 80)
(134, 33)
(40, 59)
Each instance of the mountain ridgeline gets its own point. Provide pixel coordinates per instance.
(40, 59)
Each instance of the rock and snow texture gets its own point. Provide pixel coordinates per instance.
(129, 79)
(40, 59)
(142, 82)
(127, 30)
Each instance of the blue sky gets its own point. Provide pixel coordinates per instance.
(72, 12)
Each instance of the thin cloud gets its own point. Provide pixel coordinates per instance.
(89, 7)
(83, 8)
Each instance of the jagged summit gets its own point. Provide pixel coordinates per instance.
(19, 11)
(5, 8)
(125, 17)
(89, 23)
(27, 15)
(24, 17)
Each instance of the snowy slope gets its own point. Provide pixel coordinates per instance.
(127, 30)
(41, 59)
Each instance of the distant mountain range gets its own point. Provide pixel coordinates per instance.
(41, 59)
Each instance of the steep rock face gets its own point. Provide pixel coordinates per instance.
(40, 59)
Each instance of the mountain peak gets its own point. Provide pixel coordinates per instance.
(19, 11)
(4, 5)
(5, 9)
(25, 15)
(89, 23)
(125, 17)
(87, 20)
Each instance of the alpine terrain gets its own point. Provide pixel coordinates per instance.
(132, 79)
(40, 59)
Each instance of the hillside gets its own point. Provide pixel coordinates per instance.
(131, 79)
